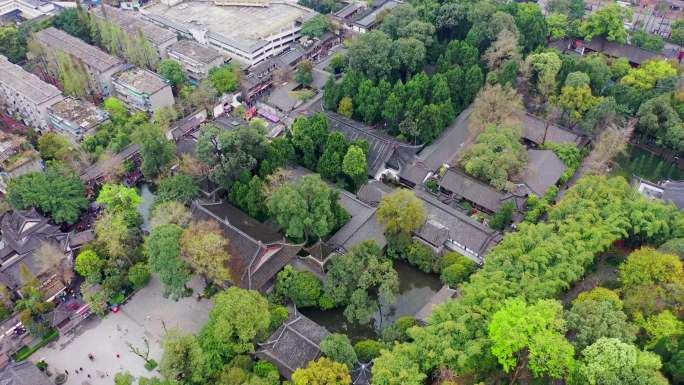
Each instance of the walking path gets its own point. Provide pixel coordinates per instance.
(146, 316)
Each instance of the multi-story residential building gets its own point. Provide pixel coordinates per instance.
(75, 118)
(25, 96)
(131, 23)
(195, 58)
(99, 64)
(142, 89)
(249, 33)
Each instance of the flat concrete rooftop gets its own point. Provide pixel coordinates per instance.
(141, 80)
(244, 25)
(81, 112)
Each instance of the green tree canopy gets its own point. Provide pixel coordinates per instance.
(353, 279)
(172, 71)
(540, 329)
(591, 320)
(230, 153)
(236, 320)
(225, 79)
(180, 187)
(204, 247)
(163, 251)
(307, 208)
(496, 156)
(56, 192)
(647, 76)
(611, 362)
(609, 22)
(316, 26)
(651, 281)
(401, 211)
(322, 372)
(157, 152)
(355, 165)
(338, 348)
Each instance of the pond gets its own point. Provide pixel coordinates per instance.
(147, 193)
(646, 165)
(415, 289)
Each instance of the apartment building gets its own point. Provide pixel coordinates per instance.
(75, 117)
(25, 96)
(196, 59)
(249, 34)
(141, 89)
(131, 23)
(99, 64)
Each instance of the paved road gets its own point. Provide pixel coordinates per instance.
(145, 316)
(448, 146)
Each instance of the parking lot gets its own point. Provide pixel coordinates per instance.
(145, 317)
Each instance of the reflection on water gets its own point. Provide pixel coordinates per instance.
(415, 289)
(145, 191)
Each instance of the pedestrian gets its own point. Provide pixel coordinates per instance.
(66, 372)
(117, 355)
(81, 369)
(88, 375)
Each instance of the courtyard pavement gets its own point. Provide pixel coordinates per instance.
(146, 316)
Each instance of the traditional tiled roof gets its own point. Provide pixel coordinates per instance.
(186, 125)
(632, 53)
(257, 251)
(414, 174)
(673, 191)
(536, 131)
(447, 226)
(23, 232)
(373, 192)
(443, 295)
(294, 344)
(458, 183)
(543, 170)
(384, 150)
(362, 226)
(104, 166)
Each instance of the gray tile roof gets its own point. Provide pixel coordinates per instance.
(194, 51)
(90, 55)
(258, 251)
(533, 129)
(544, 169)
(362, 226)
(383, 149)
(186, 125)
(469, 188)
(673, 191)
(447, 223)
(104, 166)
(611, 48)
(23, 373)
(373, 191)
(26, 83)
(23, 232)
(368, 19)
(294, 344)
(414, 174)
(442, 296)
